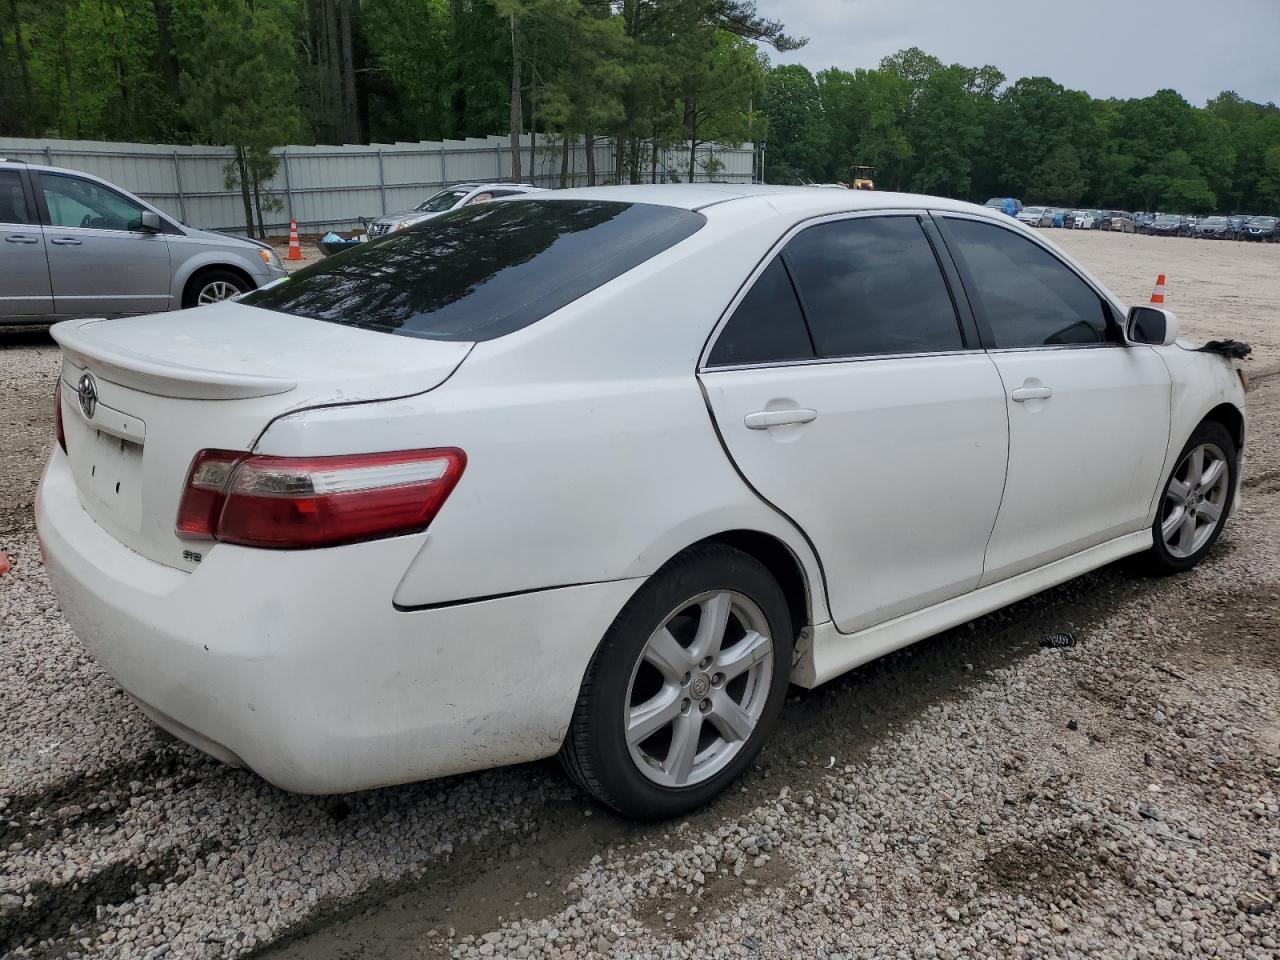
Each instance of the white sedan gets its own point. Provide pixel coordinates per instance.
(600, 472)
(1036, 216)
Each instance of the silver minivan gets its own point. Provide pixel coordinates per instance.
(76, 245)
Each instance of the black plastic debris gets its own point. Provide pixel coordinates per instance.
(1055, 641)
(1236, 349)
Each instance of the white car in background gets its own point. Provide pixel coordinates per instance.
(600, 472)
(450, 198)
(1036, 216)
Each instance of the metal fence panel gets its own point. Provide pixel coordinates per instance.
(330, 187)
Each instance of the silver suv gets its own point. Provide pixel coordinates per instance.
(76, 245)
(450, 198)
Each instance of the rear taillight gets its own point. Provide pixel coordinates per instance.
(57, 416)
(301, 502)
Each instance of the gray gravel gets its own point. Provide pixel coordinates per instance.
(974, 796)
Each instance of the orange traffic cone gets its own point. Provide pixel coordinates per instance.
(1157, 295)
(295, 248)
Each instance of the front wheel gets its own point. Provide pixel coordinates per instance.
(685, 686)
(1195, 501)
(214, 286)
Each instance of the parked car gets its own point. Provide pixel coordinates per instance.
(1215, 228)
(1238, 225)
(1263, 229)
(1036, 216)
(1122, 222)
(380, 526)
(1168, 225)
(76, 245)
(1143, 222)
(1006, 205)
(1069, 219)
(1087, 220)
(450, 198)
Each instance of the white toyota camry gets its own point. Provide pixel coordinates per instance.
(600, 472)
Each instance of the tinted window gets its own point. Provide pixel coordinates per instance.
(1028, 297)
(873, 286)
(74, 202)
(767, 325)
(482, 271)
(13, 203)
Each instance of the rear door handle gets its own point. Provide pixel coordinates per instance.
(66, 241)
(764, 419)
(21, 238)
(1022, 394)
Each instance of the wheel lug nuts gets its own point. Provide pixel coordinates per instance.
(684, 706)
(685, 680)
(706, 662)
(717, 680)
(704, 705)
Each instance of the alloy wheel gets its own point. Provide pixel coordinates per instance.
(699, 688)
(1195, 500)
(215, 291)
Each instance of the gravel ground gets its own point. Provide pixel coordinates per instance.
(972, 796)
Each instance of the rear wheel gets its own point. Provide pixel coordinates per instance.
(685, 686)
(1195, 501)
(214, 286)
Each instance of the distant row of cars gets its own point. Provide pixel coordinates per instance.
(1238, 227)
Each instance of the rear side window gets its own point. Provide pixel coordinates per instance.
(767, 326)
(1027, 296)
(480, 272)
(13, 202)
(872, 286)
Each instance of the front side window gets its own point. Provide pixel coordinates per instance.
(13, 202)
(74, 202)
(1027, 296)
(480, 272)
(872, 286)
(767, 325)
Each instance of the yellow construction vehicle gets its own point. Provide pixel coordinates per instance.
(864, 178)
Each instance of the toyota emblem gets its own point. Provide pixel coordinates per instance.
(87, 394)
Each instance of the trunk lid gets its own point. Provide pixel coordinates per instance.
(165, 386)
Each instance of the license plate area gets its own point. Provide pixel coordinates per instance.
(108, 473)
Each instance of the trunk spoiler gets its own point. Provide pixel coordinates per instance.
(135, 370)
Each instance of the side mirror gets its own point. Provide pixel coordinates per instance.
(1151, 325)
(150, 221)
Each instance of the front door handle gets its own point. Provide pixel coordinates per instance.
(1024, 393)
(66, 241)
(21, 238)
(764, 419)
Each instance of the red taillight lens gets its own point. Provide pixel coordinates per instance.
(300, 502)
(57, 416)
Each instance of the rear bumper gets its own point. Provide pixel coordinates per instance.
(296, 664)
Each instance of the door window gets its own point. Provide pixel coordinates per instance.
(13, 202)
(74, 202)
(767, 326)
(872, 286)
(1027, 296)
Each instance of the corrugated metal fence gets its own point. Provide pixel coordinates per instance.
(331, 187)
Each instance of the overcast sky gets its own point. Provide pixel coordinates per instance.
(1111, 48)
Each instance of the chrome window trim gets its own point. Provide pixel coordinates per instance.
(773, 253)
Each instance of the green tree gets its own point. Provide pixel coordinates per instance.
(239, 88)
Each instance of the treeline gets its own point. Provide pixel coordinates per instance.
(648, 74)
(260, 73)
(965, 132)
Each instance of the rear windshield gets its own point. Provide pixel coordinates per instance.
(480, 272)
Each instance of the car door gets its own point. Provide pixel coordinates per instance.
(850, 397)
(1088, 414)
(101, 261)
(24, 270)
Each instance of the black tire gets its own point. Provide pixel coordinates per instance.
(208, 278)
(1159, 561)
(595, 752)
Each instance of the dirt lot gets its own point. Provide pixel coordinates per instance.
(974, 795)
